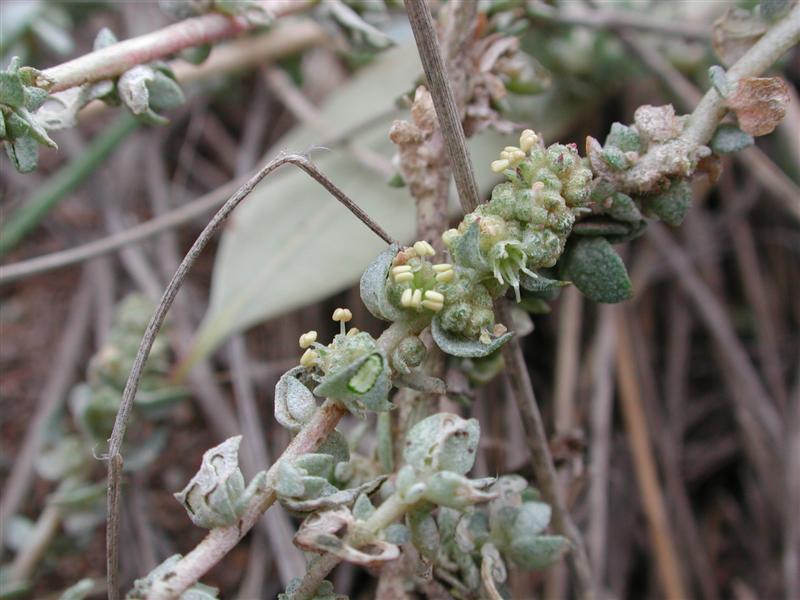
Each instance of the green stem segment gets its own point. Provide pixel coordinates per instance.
(69, 177)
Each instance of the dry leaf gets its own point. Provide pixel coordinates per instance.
(759, 104)
(734, 33)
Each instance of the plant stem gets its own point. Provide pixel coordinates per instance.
(762, 55)
(387, 513)
(544, 470)
(59, 185)
(116, 59)
(446, 109)
(222, 540)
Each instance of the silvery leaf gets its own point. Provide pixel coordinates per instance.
(442, 442)
(446, 488)
(537, 551)
(373, 286)
(294, 402)
(455, 345)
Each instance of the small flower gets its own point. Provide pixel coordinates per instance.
(309, 358)
(308, 339)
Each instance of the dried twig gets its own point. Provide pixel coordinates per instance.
(666, 558)
(446, 109)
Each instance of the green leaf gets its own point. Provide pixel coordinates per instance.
(442, 442)
(467, 249)
(537, 551)
(373, 286)
(12, 93)
(729, 138)
(540, 283)
(592, 264)
(671, 205)
(24, 153)
(294, 402)
(458, 346)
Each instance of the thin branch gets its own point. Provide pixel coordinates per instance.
(184, 214)
(541, 460)
(449, 120)
(304, 111)
(116, 59)
(120, 424)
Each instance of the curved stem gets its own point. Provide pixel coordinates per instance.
(153, 327)
(114, 60)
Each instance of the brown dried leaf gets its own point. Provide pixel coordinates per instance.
(734, 33)
(759, 103)
(657, 123)
(320, 533)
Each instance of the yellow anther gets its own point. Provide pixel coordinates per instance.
(405, 299)
(308, 338)
(510, 149)
(353, 331)
(449, 235)
(484, 337)
(445, 276)
(498, 166)
(342, 315)
(431, 305)
(309, 358)
(442, 267)
(434, 296)
(517, 156)
(423, 248)
(416, 298)
(401, 269)
(403, 277)
(527, 140)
